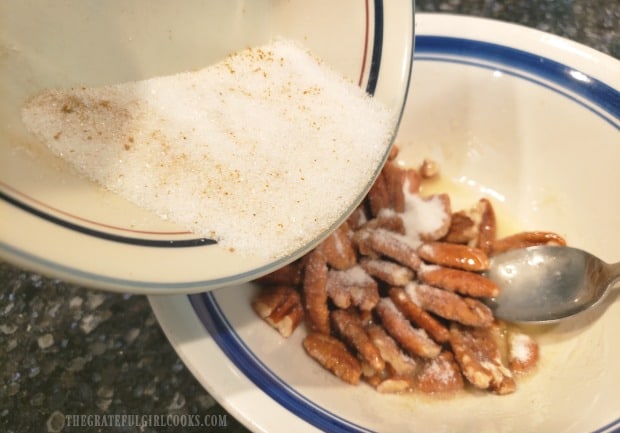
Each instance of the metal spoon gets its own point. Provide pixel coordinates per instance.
(548, 283)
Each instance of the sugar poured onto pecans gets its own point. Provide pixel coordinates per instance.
(246, 151)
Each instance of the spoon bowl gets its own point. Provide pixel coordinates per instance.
(545, 284)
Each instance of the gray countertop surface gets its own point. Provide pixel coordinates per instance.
(67, 350)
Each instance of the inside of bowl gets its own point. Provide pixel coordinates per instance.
(494, 136)
(509, 139)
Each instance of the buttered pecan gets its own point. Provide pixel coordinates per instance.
(527, 239)
(357, 219)
(379, 196)
(394, 246)
(290, 274)
(477, 353)
(388, 220)
(394, 151)
(429, 169)
(440, 374)
(280, 306)
(454, 256)
(416, 341)
(443, 220)
(401, 363)
(456, 280)
(418, 315)
(450, 306)
(413, 181)
(387, 271)
(338, 249)
(394, 181)
(462, 229)
(523, 352)
(352, 287)
(333, 355)
(350, 328)
(395, 385)
(487, 227)
(315, 292)
(476, 227)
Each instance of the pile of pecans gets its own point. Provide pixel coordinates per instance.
(394, 297)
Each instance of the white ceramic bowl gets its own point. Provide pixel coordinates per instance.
(59, 224)
(531, 121)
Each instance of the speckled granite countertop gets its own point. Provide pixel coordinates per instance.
(72, 350)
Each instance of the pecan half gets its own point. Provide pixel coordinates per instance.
(413, 180)
(357, 219)
(387, 271)
(280, 306)
(315, 292)
(401, 363)
(419, 316)
(394, 181)
(487, 228)
(395, 385)
(387, 219)
(333, 355)
(441, 222)
(523, 352)
(463, 229)
(415, 341)
(456, 280)
(440, 374)
(429, 169)
(361, 239)
(477, 353)
(352, 287)
(450, 306)
(338, 249)
(394, 246)
(527, 239)
(288, 274)
(379, 196)
(350, 328)
(454, 256)
(394, 151)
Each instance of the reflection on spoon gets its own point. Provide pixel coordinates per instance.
(548, 283)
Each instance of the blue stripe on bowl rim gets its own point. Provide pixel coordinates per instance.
(594, 95)
(211, 315)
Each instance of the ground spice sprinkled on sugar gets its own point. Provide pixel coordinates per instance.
(251, 150)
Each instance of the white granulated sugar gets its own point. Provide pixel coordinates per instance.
(400, 273)
(389, 304)
(520, 347)
(387, 212)
(411, 239)
(423, 215)
(427, 267)
(412, 291)
(389, 236)
(261, 151)
(354, 276)
(440, 370)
